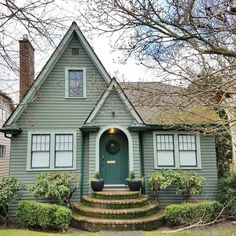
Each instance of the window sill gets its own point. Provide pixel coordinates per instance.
(179, 168)
(54, 169)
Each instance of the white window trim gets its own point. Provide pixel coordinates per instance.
(67, 68)
(176, 152)
(52, 150)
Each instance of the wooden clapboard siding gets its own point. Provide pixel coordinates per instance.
(209, 169)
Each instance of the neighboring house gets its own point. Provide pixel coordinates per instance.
(74, 113)
(6, 108)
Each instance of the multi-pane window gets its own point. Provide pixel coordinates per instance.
(64, 150)
(40, 151)
(165, 150)
(3, 115)
(76, 83)
(177, 150)
(187, 150)
(2, 151)
(51, 150)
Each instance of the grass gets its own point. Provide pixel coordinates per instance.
(11, 232)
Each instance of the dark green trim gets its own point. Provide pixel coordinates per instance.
(11, 130)
(142, 159)
(82, 166)
(89, 129)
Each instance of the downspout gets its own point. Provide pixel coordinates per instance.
(82, 166)
(142, 159)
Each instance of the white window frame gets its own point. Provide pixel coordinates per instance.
(176, 151)
(67, 69)
(3, 151)
(51, 150)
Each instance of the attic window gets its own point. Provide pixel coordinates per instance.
(75, 83)
(75, 51)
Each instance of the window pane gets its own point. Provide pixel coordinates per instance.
(188, 158)
(75, 83)
(64, 159)
(165, 142)
(165, 158)
(64, 142)
(40, 142)
(2, 151)
(187, 142)
(40, 159)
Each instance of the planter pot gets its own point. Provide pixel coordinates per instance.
(134, 185)
(97, 186)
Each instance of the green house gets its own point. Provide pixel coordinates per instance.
(74, 117)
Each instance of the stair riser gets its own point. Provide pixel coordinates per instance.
(117, 227)
(115, 206)
(113, 197)
(118, 216)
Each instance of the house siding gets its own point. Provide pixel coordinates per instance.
(209, 169)
(50, 110)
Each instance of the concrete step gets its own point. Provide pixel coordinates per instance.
(116, 195)
(130, 213)
(115, 204)
(97, 224)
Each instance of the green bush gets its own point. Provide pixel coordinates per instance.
(188, 185)
(43, 215)
(227, 193)
(9, 188)
(60, 186)
(190, 213)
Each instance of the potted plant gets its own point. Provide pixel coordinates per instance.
(97, 183)
(134, 183)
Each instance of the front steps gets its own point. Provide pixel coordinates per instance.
(116, 210)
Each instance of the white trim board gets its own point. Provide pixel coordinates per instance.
(128, 105)
(51, 63)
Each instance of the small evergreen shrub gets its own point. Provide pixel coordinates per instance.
(9, 191)
(43, 215)
(189, 185)
(60, 186)
(227, 193)
(190, 213)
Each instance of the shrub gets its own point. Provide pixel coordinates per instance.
(43, 215)
(60, 186)
(9, 188)
(192, 213)
(160, 180)
(188, 185)
(227, 193)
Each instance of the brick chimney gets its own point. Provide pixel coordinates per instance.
(26, 65)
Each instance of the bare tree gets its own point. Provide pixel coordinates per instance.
(190, 43)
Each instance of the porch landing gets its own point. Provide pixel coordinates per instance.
(116, 210)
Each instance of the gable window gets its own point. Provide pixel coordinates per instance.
(165, 150)
(2, 151)
(51, 150)
(40, 154)
(176, 150)
(75, 82)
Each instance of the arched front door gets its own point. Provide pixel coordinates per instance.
(114, 156)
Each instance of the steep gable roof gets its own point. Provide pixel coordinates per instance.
(130, 108)
(51, 63)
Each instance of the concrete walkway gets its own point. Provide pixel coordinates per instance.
(122, 233)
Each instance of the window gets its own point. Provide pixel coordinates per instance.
(187, 150)
(40, 151)
(3, 115)
(176, 150)
(51, 150)
(75, 83)
(2, 151)
(165, 150)
(64, 150)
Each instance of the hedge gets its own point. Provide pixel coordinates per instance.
(43, 215)
(191, 213)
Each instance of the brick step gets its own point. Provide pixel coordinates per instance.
(98, 224)
(116, 195)
(115, 204)
(131, 213)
